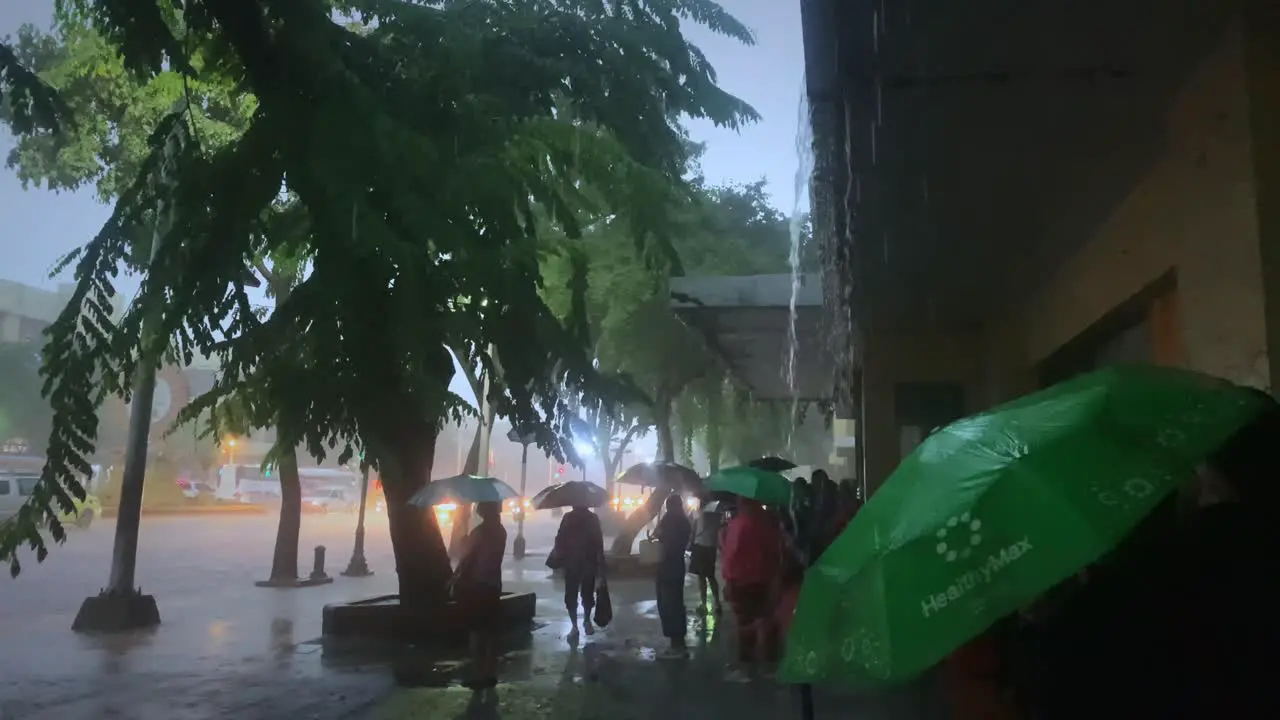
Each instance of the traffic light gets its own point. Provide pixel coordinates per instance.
(559, 471)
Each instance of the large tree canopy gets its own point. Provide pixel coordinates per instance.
(424, 150)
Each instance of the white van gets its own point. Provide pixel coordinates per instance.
(16, 488)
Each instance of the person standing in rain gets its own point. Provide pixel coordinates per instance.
(752, 568)
(673, 533)
(477, 587)
(580, 548)
(702, 556)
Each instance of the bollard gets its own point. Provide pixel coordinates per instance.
(317, 571)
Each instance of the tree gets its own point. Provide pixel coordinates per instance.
(115, 112)
(728, 229)
(25, 416)
(422, 149)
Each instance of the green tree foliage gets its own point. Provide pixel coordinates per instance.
(423, 150)
(116, 111)
(27, 103)
(727, 230)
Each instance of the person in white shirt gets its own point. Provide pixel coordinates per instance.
(703, 552)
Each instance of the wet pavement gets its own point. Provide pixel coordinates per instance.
(227, 649)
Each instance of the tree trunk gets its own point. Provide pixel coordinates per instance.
(462, 518)
(644, 514)
(284, 564)
(422, 562)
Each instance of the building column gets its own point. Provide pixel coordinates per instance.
(1262, 68)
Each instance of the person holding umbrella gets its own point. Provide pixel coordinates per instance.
(703, 552)
(753, 557)
(673, 533)
(579, 547)
(477, 587)
(996, 509)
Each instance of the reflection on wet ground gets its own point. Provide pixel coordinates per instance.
(230, 650)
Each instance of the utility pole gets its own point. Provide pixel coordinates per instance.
(518, 546)
(359, 567)
(121, 606)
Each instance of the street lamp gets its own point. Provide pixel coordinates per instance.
(518, 546)
(359, 567)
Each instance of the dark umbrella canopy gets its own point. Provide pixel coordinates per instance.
(575, 493)
(773, 463)
(662, 474)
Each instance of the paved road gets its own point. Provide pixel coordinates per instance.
(227, 649)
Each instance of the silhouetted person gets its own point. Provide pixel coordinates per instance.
(673, 533)
(580, 546)
(477, 588)
(1186, 628)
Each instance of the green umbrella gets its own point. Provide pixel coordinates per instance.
(763, 486)
(995, 509)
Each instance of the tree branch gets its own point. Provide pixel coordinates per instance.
(626, 440)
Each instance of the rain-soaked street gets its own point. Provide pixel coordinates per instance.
(227, 649)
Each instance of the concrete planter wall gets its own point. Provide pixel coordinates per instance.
(383, 618)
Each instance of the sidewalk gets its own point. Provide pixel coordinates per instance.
(229, 650)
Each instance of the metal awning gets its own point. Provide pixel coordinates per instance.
(746, 319)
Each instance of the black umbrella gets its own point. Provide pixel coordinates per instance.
(575, 493)
(772, 463)
(662, 474)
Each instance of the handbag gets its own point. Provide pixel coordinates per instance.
(555, 559)
(604, 605)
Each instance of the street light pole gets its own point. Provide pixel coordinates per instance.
(518, 547)
(359, 567)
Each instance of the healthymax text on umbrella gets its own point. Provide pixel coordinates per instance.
(995, 563)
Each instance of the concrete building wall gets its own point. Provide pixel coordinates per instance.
(1194, 215)
(1189, 226)
(890, 360)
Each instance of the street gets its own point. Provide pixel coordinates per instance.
(228, 649)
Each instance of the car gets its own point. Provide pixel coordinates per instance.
(195, 490)
(330, 501)
(444, 511)
(16, 488)
(255, 497)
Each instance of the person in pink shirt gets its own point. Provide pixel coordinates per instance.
(752, 562)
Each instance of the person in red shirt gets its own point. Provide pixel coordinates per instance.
(752, 562)
(477, 587)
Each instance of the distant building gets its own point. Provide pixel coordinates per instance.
(26, 310)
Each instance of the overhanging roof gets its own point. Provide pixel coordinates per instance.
(988, 139)
(747, 320)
